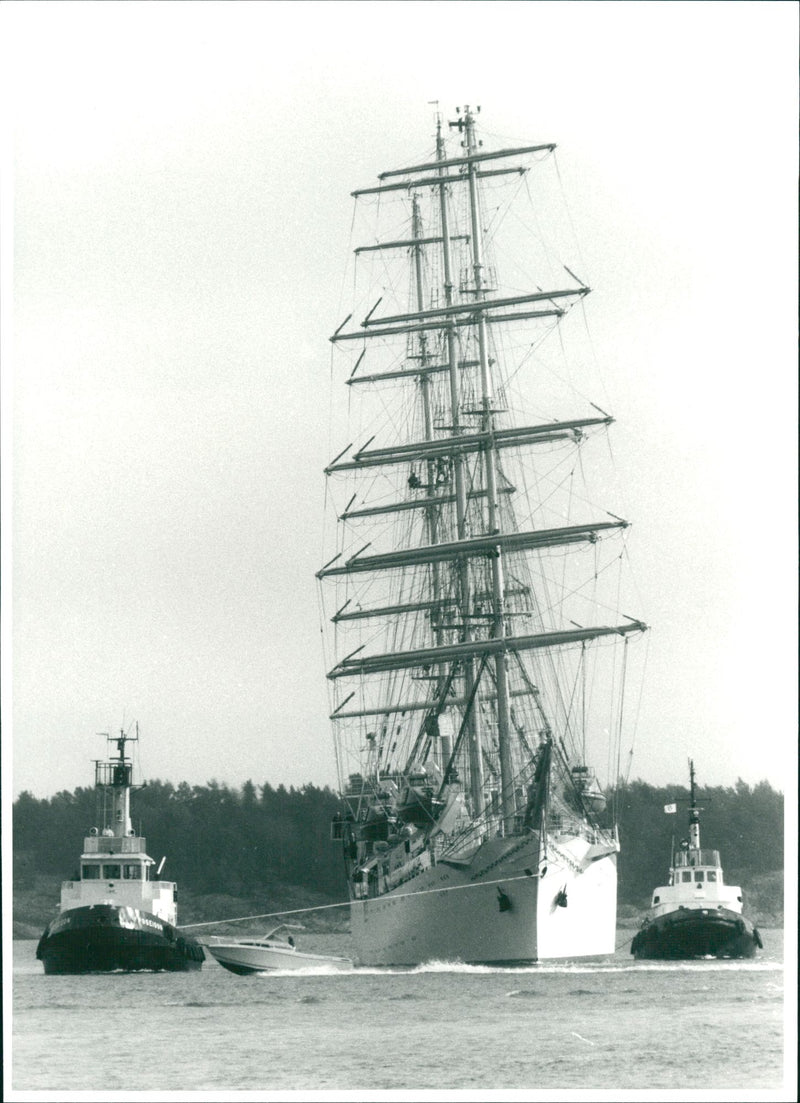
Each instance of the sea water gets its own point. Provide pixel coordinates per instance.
(616, 1025)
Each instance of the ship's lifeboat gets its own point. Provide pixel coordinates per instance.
(377, 826)
(418, 806)
(591, 795)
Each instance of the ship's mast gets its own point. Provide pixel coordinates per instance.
(490, 468)
(475, 741)
(431, 512)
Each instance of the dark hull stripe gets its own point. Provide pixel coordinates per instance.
(105, 939)
(695, 933)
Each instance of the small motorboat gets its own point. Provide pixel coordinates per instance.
(266, 954)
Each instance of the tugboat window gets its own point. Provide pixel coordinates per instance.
(686, 875)
(698, 875)
(132, 872)
(111, 873)
(91, 873)
(711, 875)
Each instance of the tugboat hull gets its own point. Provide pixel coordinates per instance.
(105, 938)
(688, 933)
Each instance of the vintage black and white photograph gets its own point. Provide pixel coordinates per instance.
(399, 548)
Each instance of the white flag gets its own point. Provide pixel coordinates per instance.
(670, 808)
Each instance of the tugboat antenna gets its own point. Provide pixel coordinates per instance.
(694, 811)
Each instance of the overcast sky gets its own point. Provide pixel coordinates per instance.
(181, 210)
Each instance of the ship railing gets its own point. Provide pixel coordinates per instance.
(457, 846)
(151, 888)
(114, 844)
(692, 857)
(568, 825)
(442, 843)
(116, 774)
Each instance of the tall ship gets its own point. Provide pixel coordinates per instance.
(479, 656)
(116, 914)
(695, 915)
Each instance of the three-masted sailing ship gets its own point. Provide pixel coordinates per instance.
(470, 630)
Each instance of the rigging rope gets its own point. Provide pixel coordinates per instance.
(627, 941)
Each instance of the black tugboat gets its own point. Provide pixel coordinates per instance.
(117, 916)
(696, 915)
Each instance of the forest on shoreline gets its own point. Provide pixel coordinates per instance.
(243, 842)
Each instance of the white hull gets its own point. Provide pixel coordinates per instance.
(451, 913)
(243, 957)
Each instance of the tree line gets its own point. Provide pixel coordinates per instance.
(239, 840)
(216, 838)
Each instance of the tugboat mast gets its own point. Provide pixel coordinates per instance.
(116, 777)
(694, 811)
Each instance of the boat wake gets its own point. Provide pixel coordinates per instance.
(544, 969)
(311, 971)
(453, 967)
